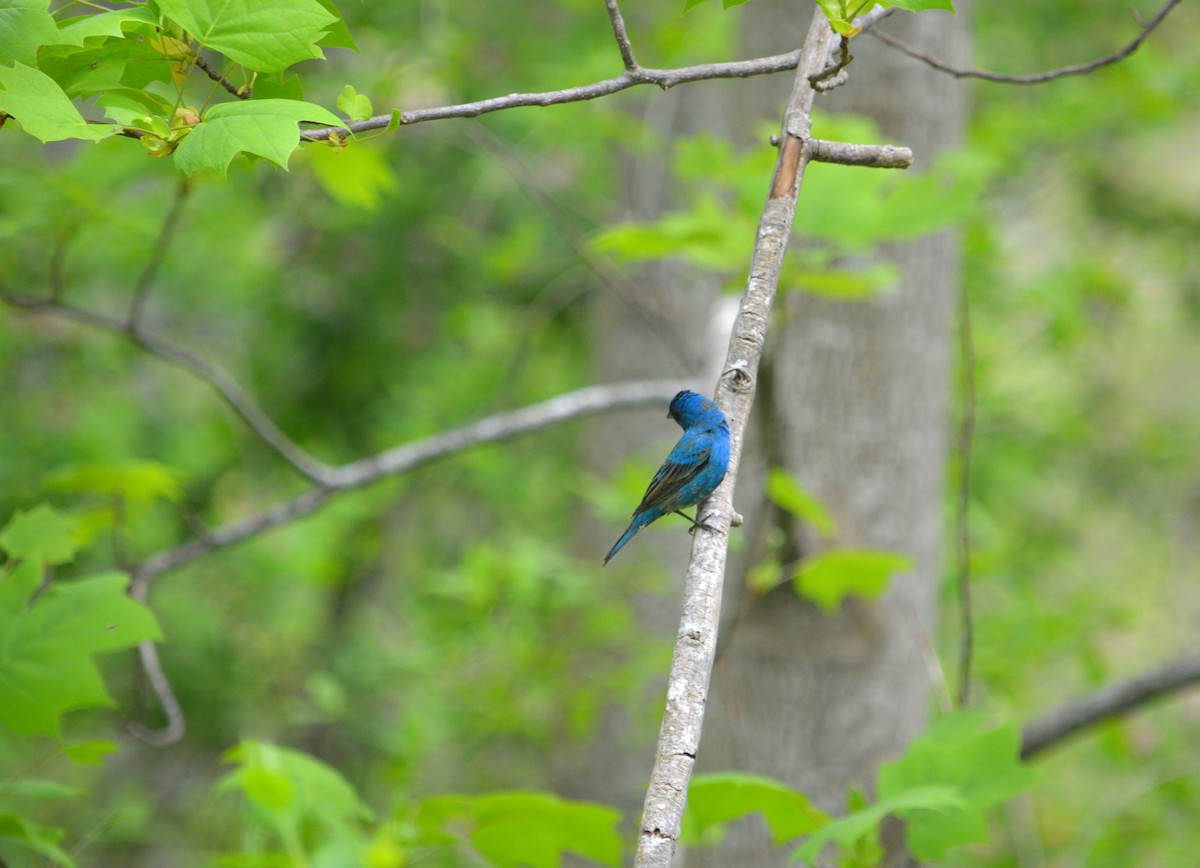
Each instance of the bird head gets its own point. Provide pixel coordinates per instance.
(688, 407)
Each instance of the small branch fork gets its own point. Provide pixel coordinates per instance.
(1035, 78)
(639, 75)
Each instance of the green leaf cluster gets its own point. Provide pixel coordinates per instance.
(841, 13)
(943, 787)
(49, 634)
(139, 63)
(50, 631)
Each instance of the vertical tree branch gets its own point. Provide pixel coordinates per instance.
(695, 645)
(618, 26)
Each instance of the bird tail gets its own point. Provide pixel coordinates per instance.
(633, 528)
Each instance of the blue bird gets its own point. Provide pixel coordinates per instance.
(693, 469)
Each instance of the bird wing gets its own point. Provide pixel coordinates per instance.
(685, 462)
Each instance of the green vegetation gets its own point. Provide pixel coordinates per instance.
(393, 679)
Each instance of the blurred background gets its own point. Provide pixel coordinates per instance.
(452, 629)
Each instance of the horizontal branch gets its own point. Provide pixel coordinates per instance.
(872, 156)
(1036, 78)
(1109, 701)
(664, 78)
(502, 426)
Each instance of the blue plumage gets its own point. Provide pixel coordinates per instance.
(693, 469)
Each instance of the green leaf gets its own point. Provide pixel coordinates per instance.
(708, 235)
(278, 85)
(43, 534)
(266, 127)
(527, 828)
(104, 24)
(138, 483)
(849, 830)
(129, 107)
(339, 34)
(785, 492)
(98, 68)
(43, 109)
(962, 751)
(20, 791)
(841, 13)
(262, 35)
(290, 786)
(716, 799)
(37, 839)
(90, 753)
(354, 105)
(357, 175)
(46, 648)
(839, 16)
(830, 576)
(25, 25)
(920, 5)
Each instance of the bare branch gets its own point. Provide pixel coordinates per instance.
(664, 78)
(1110, 701)
(1036, 78)
(618, 26)
(242, 92)
(225, 386)
(161, 244)
(157, 678)
(503, 426)
(871, 156)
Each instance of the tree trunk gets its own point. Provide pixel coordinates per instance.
(856, 408)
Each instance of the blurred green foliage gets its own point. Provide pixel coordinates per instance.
(448, 631)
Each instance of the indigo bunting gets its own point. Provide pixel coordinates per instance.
(693, 469)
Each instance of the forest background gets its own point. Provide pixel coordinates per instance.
(451, 629)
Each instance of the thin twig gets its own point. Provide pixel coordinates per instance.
(502, 426)
(161, 244)
(1109, 701)
(1036, 78)
(242, 92)
(157, 678)
(962, 519)
(870, 156)
(623, 44)
(222, 383)
(664, 78)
